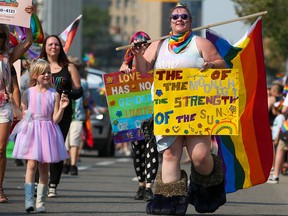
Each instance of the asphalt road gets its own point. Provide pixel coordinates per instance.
(106, 186)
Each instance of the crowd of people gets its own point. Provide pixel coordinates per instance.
(56, 102)
(278, 113)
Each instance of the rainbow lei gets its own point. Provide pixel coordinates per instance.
(178, 42)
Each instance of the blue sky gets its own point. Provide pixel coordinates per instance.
(220, 10)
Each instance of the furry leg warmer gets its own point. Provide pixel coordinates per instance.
(169, 198)
(207, 193)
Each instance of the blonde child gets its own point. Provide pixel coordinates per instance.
(39, 139)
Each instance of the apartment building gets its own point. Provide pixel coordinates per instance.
(151, 16)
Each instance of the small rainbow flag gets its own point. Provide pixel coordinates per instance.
(284, 127)
(247, 157)
(18, 34)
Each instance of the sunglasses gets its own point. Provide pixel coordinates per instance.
(2, 35)
(183, 16)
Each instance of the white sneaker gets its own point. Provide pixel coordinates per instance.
(273, 180)
(52, 192)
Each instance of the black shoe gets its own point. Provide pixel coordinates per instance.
(66, 169)
(19, 162)
(148, 194)
(140, 193)
(73, 170)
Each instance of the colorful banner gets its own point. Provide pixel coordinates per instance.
(12, 12)
(190, 102)
(129, 102)
(247, 158)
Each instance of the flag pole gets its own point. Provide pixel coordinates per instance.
(200, 28)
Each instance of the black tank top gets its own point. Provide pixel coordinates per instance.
(62, 81)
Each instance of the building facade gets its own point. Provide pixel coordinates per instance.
(152, 17)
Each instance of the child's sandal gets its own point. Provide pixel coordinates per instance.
(3, 198)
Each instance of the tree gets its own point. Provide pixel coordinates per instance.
(96, 36)
(275, 29)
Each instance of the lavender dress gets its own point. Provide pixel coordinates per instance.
(37, 136)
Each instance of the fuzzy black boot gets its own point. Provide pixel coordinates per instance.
(207, 193)
(169, 198)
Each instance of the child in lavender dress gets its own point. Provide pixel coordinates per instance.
(39, 139)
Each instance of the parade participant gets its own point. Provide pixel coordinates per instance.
(39, 138)
(145, 155)
(206, 191)
(74, 136)
(65, 77)
(6, 115)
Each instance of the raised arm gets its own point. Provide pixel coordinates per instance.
(59, 106)
(21, 48)
(145, 63)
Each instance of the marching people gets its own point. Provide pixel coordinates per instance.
(282, 146)
(6, 87)
(206, 189)
(145, 155)
(74, 136)
(66, 79)
(39, 139)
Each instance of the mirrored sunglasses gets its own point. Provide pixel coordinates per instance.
(176, 16)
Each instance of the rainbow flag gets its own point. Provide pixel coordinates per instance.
(18, 34)
(69, 33)
(247, 157)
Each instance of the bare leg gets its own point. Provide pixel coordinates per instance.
(4, 134)
(199, 149)
(171, 170)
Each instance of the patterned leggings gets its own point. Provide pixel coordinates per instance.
(145, 160)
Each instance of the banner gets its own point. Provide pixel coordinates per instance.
(129, 103)
(13, 13)
(190, 102)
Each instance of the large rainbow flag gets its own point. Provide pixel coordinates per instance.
(247, 157)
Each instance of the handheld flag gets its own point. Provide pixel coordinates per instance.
(67, 36)
(247, 157)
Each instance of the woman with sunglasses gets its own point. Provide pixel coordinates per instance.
(206, 192)
(8, 86)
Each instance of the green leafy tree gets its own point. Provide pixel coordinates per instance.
(275, 31)
(96, 37)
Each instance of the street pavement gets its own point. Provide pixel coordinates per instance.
(106, 186)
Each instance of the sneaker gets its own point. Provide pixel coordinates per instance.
(66, 169)
(73, 170)
(273, 180)
(140, 193)
(148, 195)
(52, 191)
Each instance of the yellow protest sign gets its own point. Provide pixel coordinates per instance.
(190, 102)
